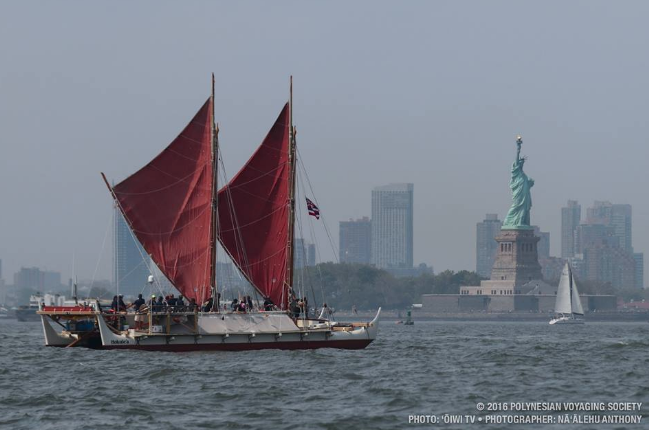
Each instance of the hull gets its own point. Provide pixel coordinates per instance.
(566, 320)
(218, 332)
(27, 315)
(245, 346)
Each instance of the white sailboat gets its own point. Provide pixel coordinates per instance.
(567, 309)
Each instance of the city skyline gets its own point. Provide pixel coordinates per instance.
(617, 214)
(437, 114)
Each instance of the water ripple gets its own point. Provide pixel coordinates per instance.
(429, 368)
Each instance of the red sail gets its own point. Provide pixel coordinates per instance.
(168, 206)
(254, 210)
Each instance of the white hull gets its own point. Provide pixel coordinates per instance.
(566, 320)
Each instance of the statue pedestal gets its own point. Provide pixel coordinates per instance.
(517, 258)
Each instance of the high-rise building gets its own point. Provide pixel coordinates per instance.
(392, 226)
(486, 245)
(639, 269)
(598, 244)
(33, 277)
(130, 260)
(28, 277)
(617, 216)
(355, 239)
(570, 218)
(604, 263)
(310, 255)
(543, 247)
(304, 254)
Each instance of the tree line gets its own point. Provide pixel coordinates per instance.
(343, 285)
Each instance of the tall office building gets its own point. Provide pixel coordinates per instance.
(130, 261)
(617, 216)
(486, 245)
(304, 254)
(355, 239)
(570, 218)
(599, 247)
(392, 226)
(310, 254)
(639, 269)
(33, 277)
(29, 277)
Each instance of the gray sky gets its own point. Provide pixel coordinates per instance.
(430, 92)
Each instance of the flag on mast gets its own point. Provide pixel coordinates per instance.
(313, 209)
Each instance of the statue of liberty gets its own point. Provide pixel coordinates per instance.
(518, 217)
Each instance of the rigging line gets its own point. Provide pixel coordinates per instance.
(139, 248)
(257, 263)
(131, 271)
(239, 244)
(262, 170)
(324, 223)
(306, 270)
(279, 208)
(262, 175)
(198, 257)
(179, 180)
(238, 238)
(101, 254)
(252, 195)
(318, 253)
(180, 154)
(190, 139)
(198, 171)
(168, 233)
(318, 268)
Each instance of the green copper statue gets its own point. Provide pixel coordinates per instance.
(518, 217)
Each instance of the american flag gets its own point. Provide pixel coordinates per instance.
(313, 209)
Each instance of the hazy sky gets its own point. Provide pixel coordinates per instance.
(426, 92)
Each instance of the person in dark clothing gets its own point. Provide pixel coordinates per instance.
(121, 304)
(192, 307)
(207, 307)
(171, 302)
(160, 304)
(304, 304)
(249, 302)
(295, 307)
(114, 304)
(268, 304)
(139, 317)
(152, 302)
(234, 305)
(138, 303)
(180, 304)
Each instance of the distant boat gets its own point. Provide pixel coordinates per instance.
(409, 320)
(567, 309)
(28, 313)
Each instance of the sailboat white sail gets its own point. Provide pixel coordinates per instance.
(567, 308)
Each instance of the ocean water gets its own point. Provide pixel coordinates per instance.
(439, 369)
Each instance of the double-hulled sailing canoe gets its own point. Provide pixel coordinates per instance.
(174, 209)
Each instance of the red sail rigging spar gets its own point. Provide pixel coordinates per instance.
(168, 205)
(254, 209)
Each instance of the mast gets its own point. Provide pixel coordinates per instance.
(291, 193)
(570, 283)
(213, 231)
